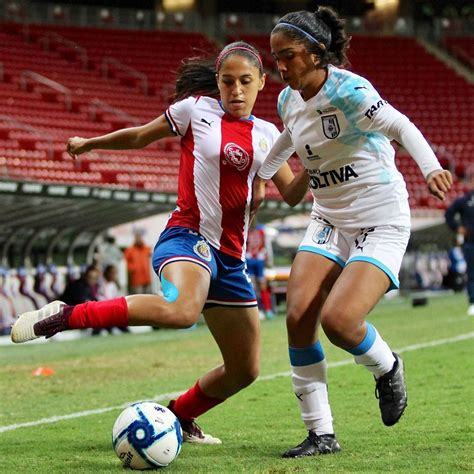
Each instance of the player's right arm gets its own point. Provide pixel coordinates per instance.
(375, 115)
(124, 139)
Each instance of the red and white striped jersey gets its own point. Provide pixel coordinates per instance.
(256, 247)
(220, 156)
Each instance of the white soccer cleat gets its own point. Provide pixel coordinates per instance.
(470, 310)
(192, 433)
(23, 328)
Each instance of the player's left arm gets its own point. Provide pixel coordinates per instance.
(279, 154)
(380, 116)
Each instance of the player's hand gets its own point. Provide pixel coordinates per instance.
(439, 182)
(76, 146)
(258, 195)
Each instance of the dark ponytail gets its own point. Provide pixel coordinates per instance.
(337, 51)
(196, 76)
(322, 33)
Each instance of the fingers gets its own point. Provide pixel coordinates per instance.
(439, 183)
(73, 147)
(69, 149)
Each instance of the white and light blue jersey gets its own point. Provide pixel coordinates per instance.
(340, 135)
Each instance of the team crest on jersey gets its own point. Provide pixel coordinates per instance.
(331, 127)
(202, 249)
(263, 144)
(236, 156)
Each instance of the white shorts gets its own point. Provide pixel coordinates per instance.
(382, 246)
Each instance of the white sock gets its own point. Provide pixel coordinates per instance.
(373, 352)
(310, 386)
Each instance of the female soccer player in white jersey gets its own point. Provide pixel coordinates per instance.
(200, 255)
(360, 223)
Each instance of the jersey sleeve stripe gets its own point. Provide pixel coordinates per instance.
(174, 127)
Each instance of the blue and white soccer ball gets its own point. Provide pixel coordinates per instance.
(147, 435)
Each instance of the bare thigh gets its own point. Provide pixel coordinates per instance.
(357, 290)
(192, 287)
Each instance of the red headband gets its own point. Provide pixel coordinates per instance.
(243, 48)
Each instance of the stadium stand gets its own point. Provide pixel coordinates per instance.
(462, 48)
(127, 78)
(100, 102)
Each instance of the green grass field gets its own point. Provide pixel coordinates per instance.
(258, 424)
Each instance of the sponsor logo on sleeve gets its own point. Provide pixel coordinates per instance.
(371, 111)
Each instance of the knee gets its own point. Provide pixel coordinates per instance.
(187, 317)
(294, 320)
(181, 316)
(337, 325)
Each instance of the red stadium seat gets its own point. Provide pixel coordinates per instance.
(433, 96)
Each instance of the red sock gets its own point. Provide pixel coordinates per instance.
(266, 299)
(193, 403)
(99, 314)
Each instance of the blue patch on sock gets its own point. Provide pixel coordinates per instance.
(170, 292)
(306, 355)
(366, 343)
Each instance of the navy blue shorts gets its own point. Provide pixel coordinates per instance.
(230, 283)
(256, 267)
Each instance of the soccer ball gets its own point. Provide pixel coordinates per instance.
(147, 435)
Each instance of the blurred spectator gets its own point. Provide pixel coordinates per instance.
(456, 275)
(84, 289)
(109, 251)
(460, 218)
(257, 258)
(110, 288)
(138, 258)
(7, 307)
(41, 284)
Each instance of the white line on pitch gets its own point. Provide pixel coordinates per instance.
(167, 396)
(413, 347)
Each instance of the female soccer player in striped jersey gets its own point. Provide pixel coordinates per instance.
(200, 256)
(360, 223)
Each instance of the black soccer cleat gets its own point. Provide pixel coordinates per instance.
(391, 391)
(314, 445)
